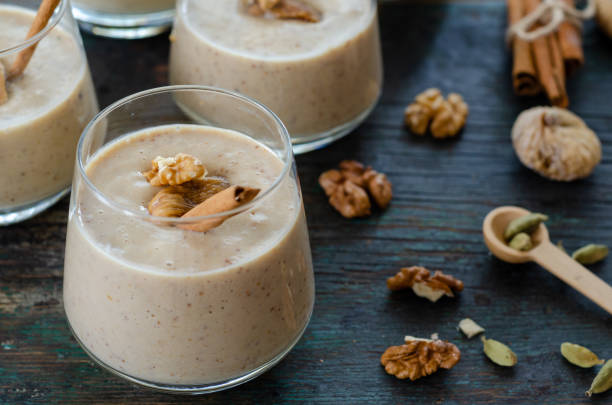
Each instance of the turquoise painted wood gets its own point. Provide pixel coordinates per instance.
(442, 192)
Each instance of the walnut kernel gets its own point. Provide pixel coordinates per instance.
(283, 9)
(424, 284)
(174, 170)
(348, 188)
(556, 143)
(350, 200)
(419, 358)
(447, 117)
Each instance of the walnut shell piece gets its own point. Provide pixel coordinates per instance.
(424, 284)
(555, 143)
(419, 358)
(175, 170)
(175, 201)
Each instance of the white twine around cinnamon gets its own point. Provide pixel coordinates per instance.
(551, 13)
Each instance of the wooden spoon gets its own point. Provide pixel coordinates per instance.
(545, 254)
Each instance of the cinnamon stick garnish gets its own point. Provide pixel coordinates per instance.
(226, 200)
(3, 93)
(549, 63)
(524, 74)
(45, 11)
(570, 39)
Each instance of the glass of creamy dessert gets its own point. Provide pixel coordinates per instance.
(127, 19)
(43, 108)
(165, 294)
(321, 75)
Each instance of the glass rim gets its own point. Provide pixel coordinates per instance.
(58, 14)
(283, 132)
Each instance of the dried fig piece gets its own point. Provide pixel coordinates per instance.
(175, 201)
(555, 143)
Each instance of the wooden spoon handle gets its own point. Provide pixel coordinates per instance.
(573, 273)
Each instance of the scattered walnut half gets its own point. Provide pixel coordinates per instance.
(556, 143)
(175, 201)
(283, 9)
(174, 170)
(419, 358)
(447, 117)
(346, 188)
(423, 284)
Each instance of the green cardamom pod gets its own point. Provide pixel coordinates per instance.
(590, 254)
(521, 241)
(498, 352)
(579, 355)
(602, 381)
(527, 223)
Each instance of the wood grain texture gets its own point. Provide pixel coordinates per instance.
(442, 192)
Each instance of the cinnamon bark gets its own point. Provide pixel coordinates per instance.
(3, 93)
(524, 74)
(45, 11)
(549, 63)
(223, 201)
(570, 39)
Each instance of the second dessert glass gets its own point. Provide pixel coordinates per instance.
(170, 308)
(127, 19)
(47, 108)
(321, 78)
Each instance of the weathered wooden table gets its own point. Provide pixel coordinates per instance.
(442, 192)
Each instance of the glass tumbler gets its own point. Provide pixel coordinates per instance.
(126, 19)
(321, 78)
(168, 307)
(46, 109)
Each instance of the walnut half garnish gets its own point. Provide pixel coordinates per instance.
(419, 358)
(424, 284)
(176, 201)
(175, 170)
(283, 9)
(3, 93)
(348, 188)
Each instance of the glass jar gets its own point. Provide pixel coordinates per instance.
(322, 79)
(127, 19)
(171, 308)
(48, 107)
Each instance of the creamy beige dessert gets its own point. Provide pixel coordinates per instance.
(314, 76)
(48, 106)
(177, 307)
(126, 6)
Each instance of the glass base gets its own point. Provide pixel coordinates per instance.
(123, 26)
(24, 212)
(194, 389)
(304, 144)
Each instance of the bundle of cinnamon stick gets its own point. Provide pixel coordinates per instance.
(545, 63)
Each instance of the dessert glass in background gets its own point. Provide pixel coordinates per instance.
(127, 19)
(48, 107)
(322, 79)
(175, 309)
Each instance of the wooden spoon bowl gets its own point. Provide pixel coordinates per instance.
(545, 254)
